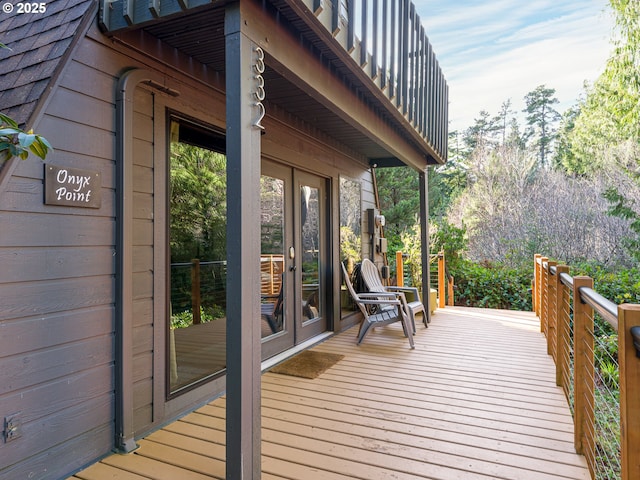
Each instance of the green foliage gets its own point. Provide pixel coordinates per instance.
(618, 286)
(609, 374)
(198, 204)
(607, 432)
(399, 195)
(411, 247)
(185, 319)
(623, 208)
(490, 285)
(449, 239)
(16, 143)
(482, 132)
(350, 244)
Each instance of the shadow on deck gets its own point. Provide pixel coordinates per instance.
(476, 399)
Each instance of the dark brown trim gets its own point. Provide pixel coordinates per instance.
(124, 418)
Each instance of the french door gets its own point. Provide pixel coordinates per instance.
(293, 257)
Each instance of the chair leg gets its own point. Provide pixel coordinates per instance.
(364, 328)
(425, 318)
(413, 320)
(272, 324)
(407, 329)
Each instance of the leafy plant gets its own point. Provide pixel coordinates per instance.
(185, 319)
(610, 374)
(491, 285)
(16, 143)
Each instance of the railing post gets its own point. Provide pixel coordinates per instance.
(543, 295)
(195, 291)
(552, 320)
(583, 367)
(629, 317)
(441, 282)
(535, 288)
(450, 300)
(562, 326)
(399, 270)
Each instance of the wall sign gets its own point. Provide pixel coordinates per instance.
(71, 187)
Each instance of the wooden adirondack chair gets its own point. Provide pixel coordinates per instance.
(372, 279)
(389, 310)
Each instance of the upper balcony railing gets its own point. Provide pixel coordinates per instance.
(387, 40)
(384, 39)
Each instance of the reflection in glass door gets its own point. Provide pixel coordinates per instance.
(276, 277)
(272, 279)
(310, 242)
(292, 257)
(196, 324)
(310, 252)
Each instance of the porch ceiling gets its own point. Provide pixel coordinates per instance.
(199, 34)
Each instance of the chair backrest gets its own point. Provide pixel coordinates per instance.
(371, 276)
(352, 291)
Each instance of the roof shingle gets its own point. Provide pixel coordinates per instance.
(37, 45)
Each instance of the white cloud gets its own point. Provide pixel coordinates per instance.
(494, 51)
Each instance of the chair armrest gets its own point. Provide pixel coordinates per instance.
(378, 295)
(394, 301)
(412, 290)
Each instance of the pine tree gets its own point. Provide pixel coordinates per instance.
(542, 117)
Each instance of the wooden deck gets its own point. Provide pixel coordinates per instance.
(476, 399)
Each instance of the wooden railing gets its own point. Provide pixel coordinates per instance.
(442, 283)
(605, 402)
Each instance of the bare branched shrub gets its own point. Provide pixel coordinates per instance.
(512, 209)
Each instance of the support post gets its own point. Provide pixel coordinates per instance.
(551, 311)
(424, 241)
(543, 295)
(243, 422)
(583, 366)
(441, 282)
(535, 288)
(399, 269)
(562, 326)
(628, 318)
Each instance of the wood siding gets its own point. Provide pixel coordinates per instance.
(57, 291)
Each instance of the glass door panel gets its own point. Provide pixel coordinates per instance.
(276, 274)
(292, 296)
(272, 278)
(310, 252)
(311, 260)
(197, 272)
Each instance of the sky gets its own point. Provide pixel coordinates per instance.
(494, 50)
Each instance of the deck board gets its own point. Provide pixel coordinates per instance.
(475, 400)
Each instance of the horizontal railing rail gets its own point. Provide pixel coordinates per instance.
(596, 346)
(602, 306)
